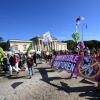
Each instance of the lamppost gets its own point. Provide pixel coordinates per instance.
(84, 24)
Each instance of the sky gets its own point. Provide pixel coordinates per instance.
(24, 19)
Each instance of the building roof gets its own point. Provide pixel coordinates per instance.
(41, 37)
(19, 41)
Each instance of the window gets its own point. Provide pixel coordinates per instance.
(16, 47)
(24, 46)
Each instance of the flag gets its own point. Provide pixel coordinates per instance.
(79, 19)
(47, 38)
(13, 48)
(29, 48)
(81, 45)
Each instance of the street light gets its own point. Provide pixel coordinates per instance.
(84, 24)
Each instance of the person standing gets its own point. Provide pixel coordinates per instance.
(35, 58)
(98, 59)
(5, 64)
(12, 61)
(17, 60)
(30, 66)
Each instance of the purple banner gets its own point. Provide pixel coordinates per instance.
(87, 66)
(66, 62)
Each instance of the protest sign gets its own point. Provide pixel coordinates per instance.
(86, 66)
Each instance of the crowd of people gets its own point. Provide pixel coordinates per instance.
(16, 62)
(13, 63)
(88, 55)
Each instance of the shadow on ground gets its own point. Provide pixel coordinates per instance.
(16, 84)
(44, 74)
(86, 81)
(2, 73)
(14, 77)
(85, 91)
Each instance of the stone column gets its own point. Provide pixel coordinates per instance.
(35, 47)
(52, 45)
(38, 44)
(42, 45)
(55, 45)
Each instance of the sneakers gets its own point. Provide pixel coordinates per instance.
(17, 74)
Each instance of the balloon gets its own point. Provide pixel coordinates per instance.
(76, 36)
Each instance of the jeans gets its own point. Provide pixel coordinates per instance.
(10, 69)
(30, 70)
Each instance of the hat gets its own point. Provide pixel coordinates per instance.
(29, 55)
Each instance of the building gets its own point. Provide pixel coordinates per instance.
(61, 46)
(36, 44)
(18, 45)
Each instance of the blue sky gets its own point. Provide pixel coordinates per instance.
(24, 19)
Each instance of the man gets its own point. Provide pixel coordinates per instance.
(30, 65)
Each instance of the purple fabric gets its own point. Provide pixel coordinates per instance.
(85, 66)
(81, 45)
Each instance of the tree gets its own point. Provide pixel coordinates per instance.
(71, 45)
(1, 39)
(1, 55)
(29, 48)
(3, 45)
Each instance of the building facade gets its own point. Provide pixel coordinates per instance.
(18, 45)
(35, 44)
(61, 46)
(39, 45)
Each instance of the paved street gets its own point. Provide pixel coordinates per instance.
(46, 84)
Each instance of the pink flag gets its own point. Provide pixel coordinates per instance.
(81, 45)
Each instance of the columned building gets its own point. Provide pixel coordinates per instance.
(36, 44)
(61, 46)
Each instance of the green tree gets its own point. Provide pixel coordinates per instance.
(4, 45)
(71, 45)
(30, 47)
(1, 39)
(92, 44)
(1, 55)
